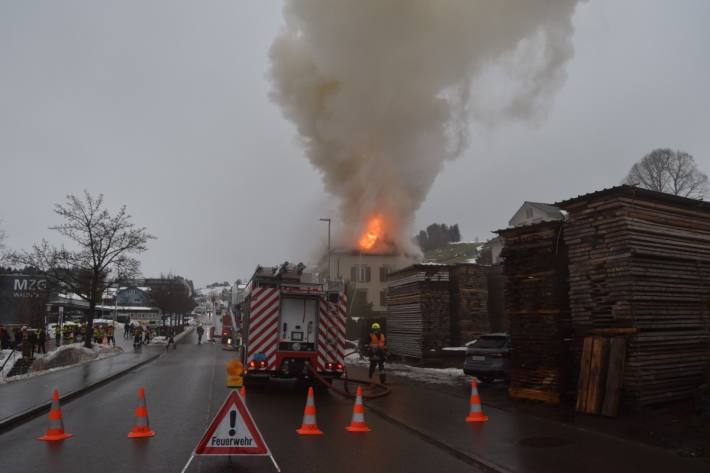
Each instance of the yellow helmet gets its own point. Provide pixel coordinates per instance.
(375, 326)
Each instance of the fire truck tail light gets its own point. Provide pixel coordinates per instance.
(252, 365)
(339, 366)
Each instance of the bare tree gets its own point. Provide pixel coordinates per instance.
(3, 236)
(103, 245)
(672, 172)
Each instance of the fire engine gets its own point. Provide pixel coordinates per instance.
(290, 320)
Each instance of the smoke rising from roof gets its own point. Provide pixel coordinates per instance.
(383, 92)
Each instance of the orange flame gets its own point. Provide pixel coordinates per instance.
(372, 234)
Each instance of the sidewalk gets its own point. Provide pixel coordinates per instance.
(29, 397)
(511, 442)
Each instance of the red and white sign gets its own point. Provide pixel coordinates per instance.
(232, 432)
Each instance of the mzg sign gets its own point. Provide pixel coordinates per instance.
(17, 290)
(23, 286)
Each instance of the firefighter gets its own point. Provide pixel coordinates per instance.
(377, 352)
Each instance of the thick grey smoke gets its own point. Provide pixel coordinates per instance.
(383, 92)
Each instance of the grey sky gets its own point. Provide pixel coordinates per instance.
(164, 106)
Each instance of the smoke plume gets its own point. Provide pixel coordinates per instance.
(383, 92)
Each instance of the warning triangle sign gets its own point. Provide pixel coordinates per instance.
(232, 431)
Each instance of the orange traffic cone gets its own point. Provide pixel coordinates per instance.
(243, 393)
(475, 413)
(55, 431)
(309, 426)
(357, 424)
(141, 428)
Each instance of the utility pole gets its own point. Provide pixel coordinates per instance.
(328, 220)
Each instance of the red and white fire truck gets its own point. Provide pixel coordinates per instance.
(289, 319)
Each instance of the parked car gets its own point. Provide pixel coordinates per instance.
(488, 357)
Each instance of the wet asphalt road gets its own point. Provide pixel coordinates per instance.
(184, 390)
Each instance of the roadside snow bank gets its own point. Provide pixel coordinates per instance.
(100, 351)
(71, 355)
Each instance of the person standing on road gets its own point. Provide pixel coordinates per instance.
(200, 332)
(57, 336)
(127, 330)
(377, 352)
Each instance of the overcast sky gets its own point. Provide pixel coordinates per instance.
(163, 106)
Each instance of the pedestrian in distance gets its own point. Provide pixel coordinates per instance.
(4, 338)
(137, 338)
(32, 339)
(377, 352)
(127, 330)
(17, 339)
(26, 344)
(171, 340)
(200, 333)
(57, 336)
(109, 335)
(42, 341)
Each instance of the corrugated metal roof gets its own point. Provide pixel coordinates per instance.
(640, 192)
(529, 226)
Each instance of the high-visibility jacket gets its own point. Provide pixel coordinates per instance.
(377, 340)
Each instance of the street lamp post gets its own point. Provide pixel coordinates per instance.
(328, 220)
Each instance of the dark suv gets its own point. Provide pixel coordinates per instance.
(488, 357)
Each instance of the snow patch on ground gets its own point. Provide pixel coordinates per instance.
(450, 376)
(163, 340)
(159, 340)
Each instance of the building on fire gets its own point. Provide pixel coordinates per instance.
(366, 274)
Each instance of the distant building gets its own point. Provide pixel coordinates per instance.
(535, 212)
(133, 296)
(366, 273)
(529, 213)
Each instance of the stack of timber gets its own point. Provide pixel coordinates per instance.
(418, 311)
(641, 259)
(536, 302)
(469, 302)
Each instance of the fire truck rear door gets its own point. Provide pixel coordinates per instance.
(298, 323)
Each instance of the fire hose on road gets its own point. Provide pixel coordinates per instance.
(381, 388)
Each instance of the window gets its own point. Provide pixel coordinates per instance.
(383, 298)
(360, 273)
(384, 272)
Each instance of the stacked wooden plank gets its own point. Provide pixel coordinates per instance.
(418, 311)
(536, 303)
(469, 302)
(641, 259)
